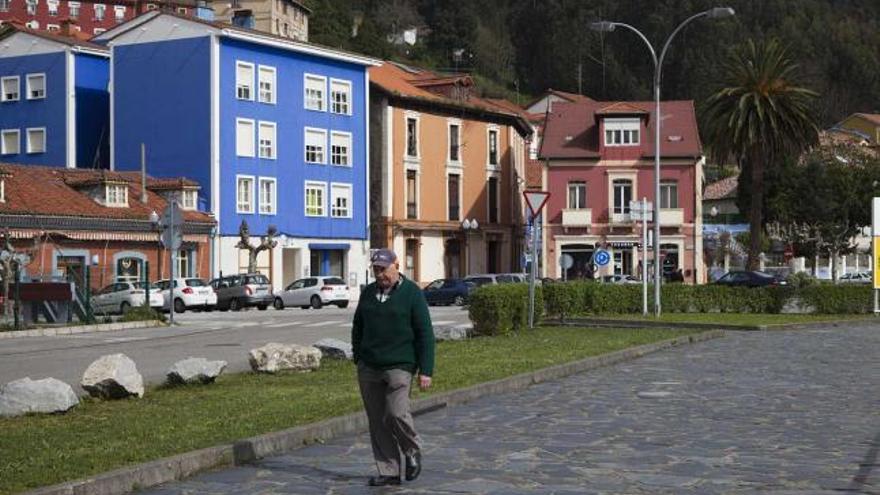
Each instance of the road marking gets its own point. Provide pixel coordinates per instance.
(345, 325)
(443, 322)
(323, 323)
(124, 339)
(285, 324)
(247, 324)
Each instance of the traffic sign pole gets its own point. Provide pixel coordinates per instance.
(535, 201)
(644, 258)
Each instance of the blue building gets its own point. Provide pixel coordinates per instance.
(274, 130)
(54, 105)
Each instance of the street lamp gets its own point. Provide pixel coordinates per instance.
(607, 27)
(467, 226)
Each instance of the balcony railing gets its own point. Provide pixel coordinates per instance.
(621, 218)
(582, 217)
(671, 216)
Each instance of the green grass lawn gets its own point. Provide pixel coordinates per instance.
(97, 436)
(739, 318)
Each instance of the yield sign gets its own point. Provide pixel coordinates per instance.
(536, 200)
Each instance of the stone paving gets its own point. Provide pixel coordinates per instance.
(780, 412)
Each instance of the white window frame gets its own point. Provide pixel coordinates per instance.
(666, 197)
(406, 197)
(119, 13)
(406, 118)
(449, 125)
(33, 24)
(269, 207)
(31, 149)
(116, 195)
(491, 130)
(189, 199)
(98, 31)
(31, 7)
(622, 131)
(239, 151)
(52, 6)
(497, 177)
(266, 74)
(29, 86)
(335, 189)
(582, 198)
(315, 131)
(100, 7)
(3, 148)
(73, 9)
(322, 102)
(347, 91)
(270, 135)
(3, 95)
(53, 28)
(315, 185)
(4, 5)
(241, 82)
(346, 137)
(241, 206)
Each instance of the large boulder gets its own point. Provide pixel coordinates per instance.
(195, 370)
(36, 396)
(334, 348)
(452, 332)
(114, 376)
(274, 357)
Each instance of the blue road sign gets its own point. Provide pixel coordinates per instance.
(602, 257)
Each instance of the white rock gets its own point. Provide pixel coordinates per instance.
(274, 357)
(195, 370)
(452, 332)
(36, 396)
(114, 376)
(334, 348)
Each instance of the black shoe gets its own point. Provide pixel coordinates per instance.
(413, 465)
(384, 480)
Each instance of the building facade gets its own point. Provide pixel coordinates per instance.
(54, 106)
(445, 173)
(75, 221)
(275, 132)
(285, 18)
(600, 157)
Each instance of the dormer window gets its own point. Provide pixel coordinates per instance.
(116, 195)
(622, 132)
(189, 199)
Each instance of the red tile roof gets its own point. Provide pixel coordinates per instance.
(722, 189)
(50, 191)
(572, 129)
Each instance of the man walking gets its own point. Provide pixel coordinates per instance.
(392, 340)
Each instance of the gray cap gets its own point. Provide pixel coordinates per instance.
(383, 257)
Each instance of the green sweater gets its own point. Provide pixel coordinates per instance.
(396, 333)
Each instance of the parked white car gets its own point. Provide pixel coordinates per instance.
(188, 293)
(122, 296)
(313, 292)
(856, 278)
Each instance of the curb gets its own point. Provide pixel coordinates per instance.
(614, 323)
(250, 449)
(103, 327)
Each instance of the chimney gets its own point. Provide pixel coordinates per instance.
(68, 27)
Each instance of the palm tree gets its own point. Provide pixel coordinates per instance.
(758, 117)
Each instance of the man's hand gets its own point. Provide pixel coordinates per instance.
(424, 382)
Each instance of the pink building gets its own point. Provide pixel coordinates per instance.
(599, 156)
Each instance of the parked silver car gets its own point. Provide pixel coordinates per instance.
(313, 292)
(496, 278)
(122, 296)
(240, 291)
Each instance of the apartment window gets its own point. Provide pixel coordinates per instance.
(36, 140)
(116, 195)
(267, 84)
(36, 86)
(184, 262)
(53, 7)
(244, 195)
(340, 97)
(340, 148)
(493, 147)
(119, 12)
(452, 183)
(10, 144)
(267, 196)
(622, 195)
(4, 5)
(454, 142)
(73, 9)
(668, 194)
(316, 145)
(267, 140)
(577, 195)
(244, 81)
(53, 28)
(100, 9)
(340, 200)
(285, 28)
(315, 196)
(412, 137)
(244, 137)
(492, 193)
(181, 10)
(412, 194)
(314, 95)
(622, 132)
(10, 88)
(190, 200)
(31, 7)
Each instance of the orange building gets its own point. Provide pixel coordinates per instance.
(446, 174)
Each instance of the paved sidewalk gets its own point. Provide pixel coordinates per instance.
(787, 412)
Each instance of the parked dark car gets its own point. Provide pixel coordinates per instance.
(241, 291)
(448, 291)
(750, 279)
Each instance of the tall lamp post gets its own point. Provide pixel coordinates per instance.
(607, 27)
(468, 225)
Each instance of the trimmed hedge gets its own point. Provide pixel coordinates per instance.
(502, 308)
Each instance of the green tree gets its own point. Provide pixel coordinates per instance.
(759, 117)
